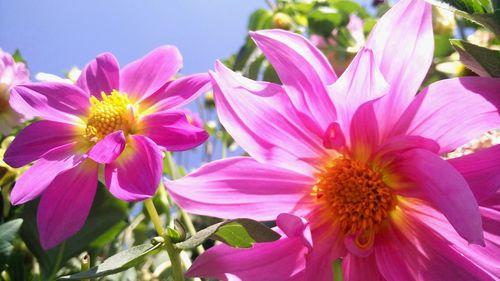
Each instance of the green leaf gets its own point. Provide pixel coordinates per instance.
(483, 61)
(18, 57)
(349, 7)
(244, 54)
(442, 47)
(260, 19)
(254, 68)
(489, 21)
(118, 262)
(467, 6)
(106, 212)
(483, 12)
(270, 75)
(239, 233)
(8, 232)
(323, 20)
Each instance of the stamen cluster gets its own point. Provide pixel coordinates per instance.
(354, 194)
(108, 115)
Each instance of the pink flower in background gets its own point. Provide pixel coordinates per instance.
(120, 119)
(360, 158)
(11, 74)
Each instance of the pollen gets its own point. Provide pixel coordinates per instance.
(355, 197)
(112, 113)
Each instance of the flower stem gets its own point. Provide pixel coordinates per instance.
(185, 218)
(173, 253)
(337, 270)
(60, 254)
(153, 214)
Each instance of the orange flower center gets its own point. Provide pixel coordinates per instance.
(114, 112)
(355, 197)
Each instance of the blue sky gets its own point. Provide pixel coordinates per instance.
(54, 35)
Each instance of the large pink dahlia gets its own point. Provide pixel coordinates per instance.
(360, 157)
(117, 119)
(11, 74)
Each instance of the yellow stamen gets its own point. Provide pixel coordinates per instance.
(114, 112)
(355, 197)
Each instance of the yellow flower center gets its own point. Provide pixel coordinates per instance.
(355, 197)
(114, 112)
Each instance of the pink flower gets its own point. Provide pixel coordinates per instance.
(359, 157)
(11, 74)
(118, 119)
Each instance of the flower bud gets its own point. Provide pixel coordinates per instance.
(282, 21)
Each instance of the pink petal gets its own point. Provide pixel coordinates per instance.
(262, 120)
(145, 76)
(303, 69)
(364, 132)
(241, 187)
(473, 111)
(446, 188)
(39, 176)
(293, 226)
(53, 101)
(360, 82)
(66, 203)
(100, 75)
(109, 148)
(393, 146)
(402, 44)
(34, 141)
(179, 92)
(327, 248)
(172, 131)
(361, 269)
(391, 260)
(278, 260)
(136, 173)
(481, 171)
(444, 254)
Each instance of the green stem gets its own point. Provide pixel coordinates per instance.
(165, 202)
(57, 264)
(186, 221)
(153, 214)
(173, 253)
(174, 174)
(185, 218)
(337, 270)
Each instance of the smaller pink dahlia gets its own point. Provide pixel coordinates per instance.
(118, 119)
(11, 74)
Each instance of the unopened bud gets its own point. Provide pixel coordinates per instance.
(282, 21)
